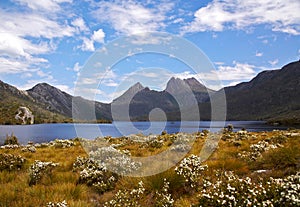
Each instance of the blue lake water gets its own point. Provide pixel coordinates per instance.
(47, 132)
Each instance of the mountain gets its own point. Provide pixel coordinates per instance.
(11, 99)
(52, 98)
(63, 103)
(271, 95)
(49, 104)
(138, 101)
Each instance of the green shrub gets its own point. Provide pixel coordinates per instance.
(11, 140)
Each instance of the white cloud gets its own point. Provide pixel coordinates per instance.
(14, 46)
(33, 25)
(87, 44)
(239, 71)
(273, 62)
(80, 24)
(43, 74)
(77, 67)
(98, 36)
(258, 54)
(19, 48)
(239, 14)
(129, 17)
(20, 65)
(44, 5)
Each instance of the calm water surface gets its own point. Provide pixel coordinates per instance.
(48, 132)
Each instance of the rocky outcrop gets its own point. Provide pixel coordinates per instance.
(24, 114)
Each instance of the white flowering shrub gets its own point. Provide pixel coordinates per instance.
(57, 204)
(191, 169)
(98, 177)
(230, 190)
(127, 198)
(156, 143)
(114, 160)
(62, 143)
(180, 148)
(163, 197)
(284, 191)
(39, 169)
(241, 135)
(10, 146)
(29, 148)
(256, 150)
(95, 174)
(11, 162)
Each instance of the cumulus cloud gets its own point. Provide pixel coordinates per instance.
(98, 36)
(88, 44)
(19, 51)
(281, 15)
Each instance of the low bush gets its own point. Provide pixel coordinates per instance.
(127, 198)
(230, 190)
(163, 197)
(11, 162)
(38, 170)
(191, 169)
(57, 204)
(95, 174)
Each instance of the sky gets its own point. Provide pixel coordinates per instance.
(55, 41)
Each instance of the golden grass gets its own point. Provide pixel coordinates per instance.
(62, 184)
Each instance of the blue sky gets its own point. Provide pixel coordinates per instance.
(52, 40)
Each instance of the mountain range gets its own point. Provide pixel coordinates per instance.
(273, 95)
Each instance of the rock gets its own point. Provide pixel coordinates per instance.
(24, 114)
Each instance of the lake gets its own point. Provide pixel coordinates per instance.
(47, 132)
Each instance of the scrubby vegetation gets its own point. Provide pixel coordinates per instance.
(245, 169)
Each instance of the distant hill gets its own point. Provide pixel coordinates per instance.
(272, 95)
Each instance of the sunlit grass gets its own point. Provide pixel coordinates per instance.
(62, 183)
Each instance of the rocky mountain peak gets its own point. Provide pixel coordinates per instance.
(130, 93)
(176, 85)
(195, 85)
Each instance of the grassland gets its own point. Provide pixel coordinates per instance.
(254, 155)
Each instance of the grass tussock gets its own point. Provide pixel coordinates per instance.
(241, 160)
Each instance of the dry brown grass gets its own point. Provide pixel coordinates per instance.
(62, 184)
